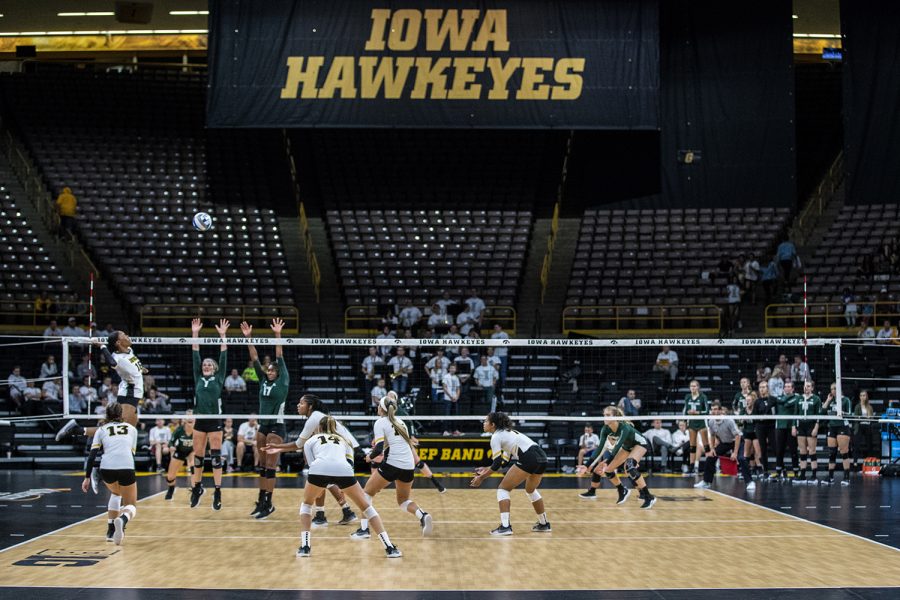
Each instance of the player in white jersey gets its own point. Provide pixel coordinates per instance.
(311, 407)
(131, 387)
(330, 459)
(391, 443)
(529, 466)
(118, 442)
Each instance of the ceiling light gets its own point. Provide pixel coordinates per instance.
(184, 13)
(85, 14)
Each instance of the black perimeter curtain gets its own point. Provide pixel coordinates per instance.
(871, 32)
(727, 90)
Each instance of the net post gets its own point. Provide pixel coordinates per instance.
(837, 376)
(65, 371)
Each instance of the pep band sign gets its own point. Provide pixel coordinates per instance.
(518, 63)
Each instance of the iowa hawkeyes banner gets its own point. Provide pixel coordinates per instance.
(430, 63)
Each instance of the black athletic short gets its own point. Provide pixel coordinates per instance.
(120, 476)
(208, 425)
(275, 428)
(392, 473)
(182, 455)
(129, 400)
(750, 435)
(805, 428)
(326, 480)
(533, 461)
(836, 430)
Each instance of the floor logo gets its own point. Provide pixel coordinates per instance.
(32, 494)
(64, 558)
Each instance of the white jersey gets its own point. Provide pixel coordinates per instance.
(129, 367)
(328, 454)
(508, 443)
(312, 426)
(400, 454)
(118, 442)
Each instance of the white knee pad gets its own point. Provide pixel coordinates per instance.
(115, 502)
(533, 496)
(371, 513)
(131, 511)
(502, 495)
(305, 509)
(404, 506)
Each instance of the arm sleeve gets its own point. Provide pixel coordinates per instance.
(283, 374)
(377, 449)
(223, 366)
(89, 466)
(198, 372)
(109, 357)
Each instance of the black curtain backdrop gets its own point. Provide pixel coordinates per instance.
(727, 90)
(871, 100)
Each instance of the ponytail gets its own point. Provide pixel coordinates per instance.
(389, 404)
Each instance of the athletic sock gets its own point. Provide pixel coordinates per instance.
(542, 518)
(109, 521)
(504, 519)
(344, 505)
(364, 524)
(420, 513)
(383, 536)
(305, 539)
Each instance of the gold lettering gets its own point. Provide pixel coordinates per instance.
(433, 75)
(570, 84)
(468, 453)
(297, 76)
(405, 27)
(463, 75)
(380, 18)
(437, 30)
(479, 454)
(457, 454)
(492, 31)
(531, 78)
(445, 453)
(376, 72)
(501, 73)
(341, 76)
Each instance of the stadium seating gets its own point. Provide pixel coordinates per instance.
(658, 256)
(134, 151)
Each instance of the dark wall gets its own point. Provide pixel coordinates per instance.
(871, 100)
(820, 132)
(727, 90)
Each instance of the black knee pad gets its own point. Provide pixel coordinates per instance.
(802, 456)
(170, 481)
(631, 467)
(595, 478)
(845, 456)
(216, 458)
(198, 462)
(260, 470)
(269, 474)
(610, 474)
(420, 464)
(832, 454)
(693, 449)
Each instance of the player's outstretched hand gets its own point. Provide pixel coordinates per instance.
(246, 328)
(196, 326)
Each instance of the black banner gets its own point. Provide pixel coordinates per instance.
(431, 63)
(456, 452)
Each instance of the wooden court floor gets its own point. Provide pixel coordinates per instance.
(690, 539)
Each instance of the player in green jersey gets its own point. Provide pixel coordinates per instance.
(209, 378)
(182, 445)
(696, 403)
(274, 382)
(807, 431)
(838, 439)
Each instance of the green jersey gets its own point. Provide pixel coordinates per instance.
(624, 438)
(272, 394)
(699, 404)
(208, 390)
(741, 409)
(786, 405)
(808, 406)
(181, 441)
(845, 410)
(410, 427)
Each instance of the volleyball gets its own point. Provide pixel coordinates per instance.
(202, 221)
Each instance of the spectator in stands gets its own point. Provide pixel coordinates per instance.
(660, 444)
(16, 384)
(370, 365)
(378, 392)
(384, 350)
(249, 373)
(667, 364)
(784, 364)
(851, 310)
(108, 391)
(234, 383)
(786, 253)
(53, 330)
(246, 439)
(85, 368)
(100, 409)
(451, 388)
(465, 367)
(72, 329)
(410, 316)
(501, 352)
(228, 443)
(51, 393)
(587, 443)
(67, 209)
(630, 404)
(681, 441)
(866, 333)
(400, 367)
(49, 368)
(390, 320)
(438, 318)
(752, 273)
(768, 278)
(43, 304)
(435, 369)
(866, 434)
(763, 373)
(452, 351)
(155, 402)
(466, 321)
(732, 306)
(799, 371)
(446, 302)
(886, 334)
(776, 381)
(87, 393)
(160, 436)
(486, 376)
(474, 304)
(107, 331)
(31, 398)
